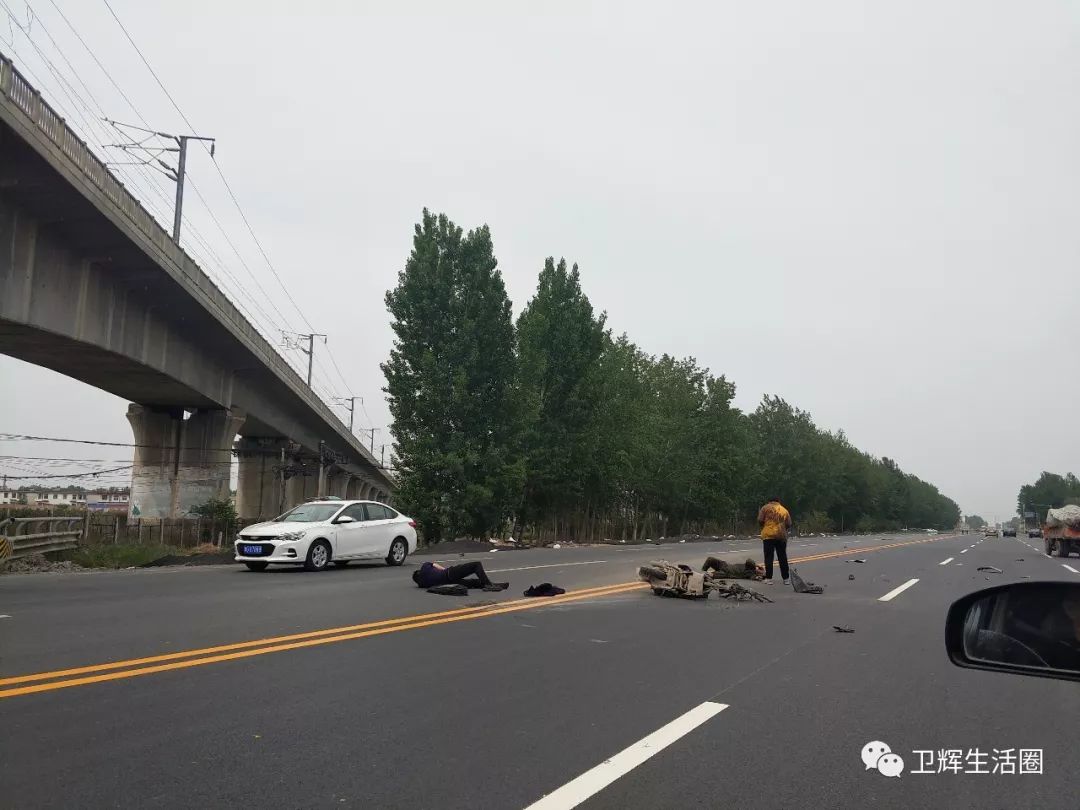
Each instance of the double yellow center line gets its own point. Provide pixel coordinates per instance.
(134, 667)
(117, 670)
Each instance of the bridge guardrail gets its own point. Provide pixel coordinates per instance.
(18, 540)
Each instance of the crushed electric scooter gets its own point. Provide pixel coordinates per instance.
(667, 579)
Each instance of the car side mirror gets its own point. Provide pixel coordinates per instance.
(345, 519)
(1027, 628)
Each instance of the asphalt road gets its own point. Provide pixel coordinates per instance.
(418, 701)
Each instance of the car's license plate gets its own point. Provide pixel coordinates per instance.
(252, 549)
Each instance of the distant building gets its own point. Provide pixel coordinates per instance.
(114, 499)
(45, 497)
(111, 500)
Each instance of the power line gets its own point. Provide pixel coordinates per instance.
(22, 437)
(139, 115)
(69, 475)
(74, 96)
(59, 461)
(90, 51)
(225, 182)
(221, 174)
(152, 186)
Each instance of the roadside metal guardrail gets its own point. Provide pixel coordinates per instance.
(20, 537)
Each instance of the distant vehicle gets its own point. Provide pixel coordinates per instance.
(1008, 531)
(931, 531)
(1061, 532)
(991, 531)
(317, 533)
(1034, 531)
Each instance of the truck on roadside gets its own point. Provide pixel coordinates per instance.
(1061, 531)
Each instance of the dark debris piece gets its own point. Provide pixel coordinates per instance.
(802, 586)
(740, 593)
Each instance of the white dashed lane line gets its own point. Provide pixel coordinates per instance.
(1063, 565)
(947, 561)
(964, 550)
(547, 565)
(593, 781)
(895, 592)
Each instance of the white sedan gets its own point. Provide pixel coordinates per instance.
(317, 533)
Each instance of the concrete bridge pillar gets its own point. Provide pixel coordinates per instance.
(260, 490)
(180, 463)
(352, 491)
(337, 483)
(303, 482)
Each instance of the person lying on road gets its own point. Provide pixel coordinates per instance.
(470, 574)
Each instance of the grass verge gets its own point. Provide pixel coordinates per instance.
(123, 556)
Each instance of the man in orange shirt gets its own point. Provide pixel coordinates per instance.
(774, 521)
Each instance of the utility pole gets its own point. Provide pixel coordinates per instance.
(180, 173)
(309, 351)
(322, 470)
(281, 500)
(176, 175)
(181, 169)
(351, 406)
(382, 456)
(372, 431)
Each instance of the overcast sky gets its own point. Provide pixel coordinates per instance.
(867, 208)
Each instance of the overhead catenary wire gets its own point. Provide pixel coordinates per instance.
(156, 188)
(225, 182)
(65, 461)
(101, 443)
(145, 177)
(93, 135)
(268, 451)
(69, 475)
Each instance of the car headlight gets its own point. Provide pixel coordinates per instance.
(289, 537)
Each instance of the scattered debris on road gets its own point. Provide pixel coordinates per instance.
(856, 561)
(206, 558)
(1019, 559)
(448, 548)
(851, 576)
(802, 586)
(840, 628)
(37, 563)
(682, 581)
(990, 568)
(450, 589)
(544, 589)
(739, 593)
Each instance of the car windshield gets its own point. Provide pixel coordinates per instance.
(310, 513)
